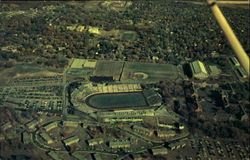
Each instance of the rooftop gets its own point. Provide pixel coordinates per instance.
(198, 67)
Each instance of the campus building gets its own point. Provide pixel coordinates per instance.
(138, 157)
(32, 124)
(70, 124)
(234, 61)
(214, 70)
(176, 145)
(78, 155)
(166, 134)
(159, 151)
(12, 135)
(127, 113)
(132, 119)
(169, 126)
(198, 70)
(71, 140)
(242, 72)
(46, 138)
(120, 144)
(6, 126)
(2, 137)
(97, 157)
(26, 138)
(53, 155)
(143, 130)
(50, 126)
(96, 141)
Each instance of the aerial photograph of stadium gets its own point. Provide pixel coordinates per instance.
(124, 80)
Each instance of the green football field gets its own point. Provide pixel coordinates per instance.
(117, 100)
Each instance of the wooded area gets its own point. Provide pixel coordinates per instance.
(171, 31)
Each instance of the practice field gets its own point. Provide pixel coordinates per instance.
(148, 72)
(125, 36)
(116, 100)
(109, 69)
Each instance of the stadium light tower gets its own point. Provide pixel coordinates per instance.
(232, 39)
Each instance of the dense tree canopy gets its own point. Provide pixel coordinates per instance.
(170, 30)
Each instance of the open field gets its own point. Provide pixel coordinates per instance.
(148, 72)
(128, 36)
(20, 70)
(118, 100)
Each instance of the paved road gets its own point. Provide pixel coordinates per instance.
(64, 112)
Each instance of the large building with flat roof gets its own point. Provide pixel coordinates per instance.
(143, 130)
(71, 140)
(95, 141)
(6, 126)
(214, 70)
(46, 138)
(112, 69)
(111, 120)
(70, 124)
(235, 61)
(53, 155)
(166, 134)
(32, 124)
(198, 70)
(2, 137)
(127, 113)
(26, 138)
(159, 151)
(97, 156)
(176, 145)
(119, 144)
(79, 155)
(242, 72)
(50, 126)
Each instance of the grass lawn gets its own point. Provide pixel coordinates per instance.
(155, 72)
